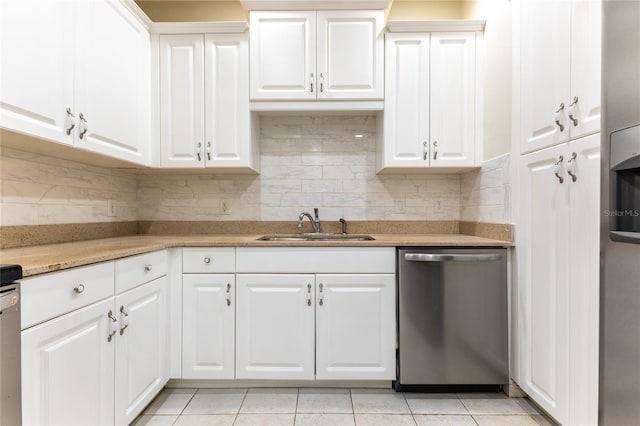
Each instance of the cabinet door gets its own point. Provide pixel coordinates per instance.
(584, 283)
(545, 72)
(355, 327)
(68, 368)
(181, 100)
(543, 279)
(208, 332)
(283, 55)
(141, 348)
(228, 130)
(350, 55)
(406, 115)
(453, 100)
(36, 71)
(113, 81)
(275, 336)
(586, 23)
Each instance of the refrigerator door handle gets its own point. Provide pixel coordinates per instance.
(433, 257)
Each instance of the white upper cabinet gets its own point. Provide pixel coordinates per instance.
(453, 100)
(204, 103)
(87, 58)
(283, 55)
(181, 100)
(36, 71)
(431, 102)
(560, 71)
(350, 55)
(325, 55)
(113, 82)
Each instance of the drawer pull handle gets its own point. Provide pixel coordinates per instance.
(321, 301)
(207, 260)
(79, 288)
(148, 268)
(114, 327)
(125, 319)
(228, 294)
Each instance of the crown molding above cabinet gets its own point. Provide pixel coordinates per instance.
(315, 4)
(436, 25)
(227, 27)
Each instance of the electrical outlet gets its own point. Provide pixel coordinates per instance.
(398, 206)
(224, 207)
(111, 208)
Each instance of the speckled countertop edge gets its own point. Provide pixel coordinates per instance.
(54, 257)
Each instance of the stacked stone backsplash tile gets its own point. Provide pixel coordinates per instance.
(486, 192)
(307, 161)
(42, 190)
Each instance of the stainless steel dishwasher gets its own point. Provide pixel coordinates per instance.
(452, 319)
(10, 377)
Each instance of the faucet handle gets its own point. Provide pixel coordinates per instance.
(344, 226)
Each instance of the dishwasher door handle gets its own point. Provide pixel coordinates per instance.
(432, 257)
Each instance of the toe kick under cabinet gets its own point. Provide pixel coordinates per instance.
(94, 341)
(279, 313)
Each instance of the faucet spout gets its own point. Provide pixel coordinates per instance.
(315, 221)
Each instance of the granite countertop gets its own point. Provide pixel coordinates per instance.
(53, 257)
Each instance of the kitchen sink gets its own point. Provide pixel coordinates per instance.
(316, 237)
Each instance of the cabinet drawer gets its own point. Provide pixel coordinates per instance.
(50, 295)
(135, 270)
(198, 260)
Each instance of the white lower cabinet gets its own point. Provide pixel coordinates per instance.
(102, 362)
(558, 286)
(68, 369)
(208, 331)
(337, 327)
(141, 348)
(355, 326)
(275, 326)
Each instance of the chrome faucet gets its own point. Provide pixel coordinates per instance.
(315, 222)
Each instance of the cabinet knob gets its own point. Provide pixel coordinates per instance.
(79, 288)
(207, 260)
(148, 268)
(435, 150)
(198, 151)
(209, 150)
(425, 147)
(321, 82)
(311, 82)
(228, 294)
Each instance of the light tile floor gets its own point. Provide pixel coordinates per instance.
(335, 407)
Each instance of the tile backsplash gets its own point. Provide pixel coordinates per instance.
(40, 190)
(306, 161)
(486, 192)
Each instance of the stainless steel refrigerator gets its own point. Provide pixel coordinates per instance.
(620, 220)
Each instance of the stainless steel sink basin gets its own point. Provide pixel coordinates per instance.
(316, 237)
